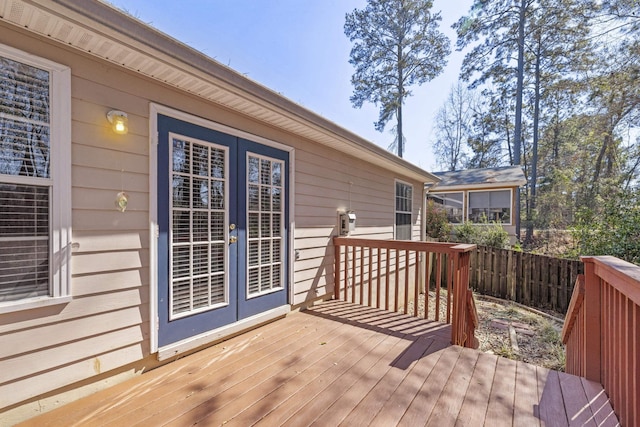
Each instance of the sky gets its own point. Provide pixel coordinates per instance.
(298, 49)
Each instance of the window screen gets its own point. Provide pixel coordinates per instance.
(452, 203)
(490, 206)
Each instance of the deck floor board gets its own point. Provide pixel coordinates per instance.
(341, 364)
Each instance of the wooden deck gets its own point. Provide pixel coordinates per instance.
(342, 364)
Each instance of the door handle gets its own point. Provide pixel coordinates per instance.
(232, 239)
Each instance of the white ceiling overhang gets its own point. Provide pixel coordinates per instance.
(101, 30)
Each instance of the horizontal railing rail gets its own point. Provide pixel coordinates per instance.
(394, 275)
(574, 321)
(602, 332)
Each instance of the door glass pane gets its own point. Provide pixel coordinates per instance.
(198, 226)
(254, 197)
(200, 193)
(265, 189)
(253, 169)
(254, 225)
(200, 160)
(217, 164)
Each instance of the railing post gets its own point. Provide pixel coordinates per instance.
(456, 320)
(336, 273)
(593, 322)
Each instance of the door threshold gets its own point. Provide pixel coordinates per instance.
(221, 333)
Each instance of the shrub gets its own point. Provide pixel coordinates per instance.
(612, 228)
(486, 234)
(494, 236)
(437, 223)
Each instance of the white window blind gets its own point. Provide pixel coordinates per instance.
(265, 219)
(491, 206)
(198, 257)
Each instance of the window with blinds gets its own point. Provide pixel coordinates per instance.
(25, 180)
(404, 206)
(490, 206)
(198, 257)
(265, 219)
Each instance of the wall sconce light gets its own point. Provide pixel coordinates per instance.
(119, 121)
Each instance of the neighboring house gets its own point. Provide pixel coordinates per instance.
(210, 210)
(479, 195)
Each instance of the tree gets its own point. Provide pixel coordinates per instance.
(522, 48)
(397, 44)
(491, 131)
(453, 127)
(611, 229)
(554, 28)
(502, 26)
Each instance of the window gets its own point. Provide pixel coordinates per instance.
(265, 217)
(198, 256)
(491, 206)
(35, 172)
(452, 203)
(404, 206)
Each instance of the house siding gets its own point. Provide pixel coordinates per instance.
(106, 326)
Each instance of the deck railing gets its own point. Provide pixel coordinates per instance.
(602, 332)
(392, 274)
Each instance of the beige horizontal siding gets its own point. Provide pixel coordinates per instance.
(114, 281)
(73, 330)
(325, 183)
(31, 386)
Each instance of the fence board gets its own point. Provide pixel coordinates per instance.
(535, 280)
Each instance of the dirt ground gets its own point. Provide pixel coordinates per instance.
(537, 337)
(511, 330)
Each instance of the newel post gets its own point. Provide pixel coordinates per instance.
(592, 354)
(336, 272)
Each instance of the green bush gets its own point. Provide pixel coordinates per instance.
(612, 228)
(485, 234)
(467, 233)
(437, 223)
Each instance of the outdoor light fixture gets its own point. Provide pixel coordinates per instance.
(119, 121)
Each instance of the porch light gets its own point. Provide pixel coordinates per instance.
(119, 121)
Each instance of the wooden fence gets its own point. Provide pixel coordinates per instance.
(533, 280)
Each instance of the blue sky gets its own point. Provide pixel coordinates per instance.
(298, 48)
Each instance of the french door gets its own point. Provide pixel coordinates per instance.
(222, 220)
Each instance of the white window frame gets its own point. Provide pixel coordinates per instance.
(395, 211)
(59, 182)
(259, 239)
(224, 240)
(511, 210)
(464, 204)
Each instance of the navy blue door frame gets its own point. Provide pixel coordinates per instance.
(239, 305)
